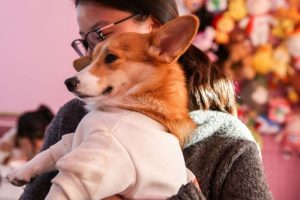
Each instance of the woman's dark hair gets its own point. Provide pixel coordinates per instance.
(208, 86)
(162, 10)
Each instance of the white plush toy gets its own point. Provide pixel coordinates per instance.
(258, 22)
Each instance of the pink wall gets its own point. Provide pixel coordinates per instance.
(35, 53)
(282, 174)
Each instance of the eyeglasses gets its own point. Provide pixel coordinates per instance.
(92, 38)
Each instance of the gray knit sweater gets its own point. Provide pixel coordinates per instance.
(222, 154)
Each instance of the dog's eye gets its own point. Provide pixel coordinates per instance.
(110, 58)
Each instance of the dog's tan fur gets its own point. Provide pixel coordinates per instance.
(146, 77)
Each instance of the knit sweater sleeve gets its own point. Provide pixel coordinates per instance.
(228, 168)
(245, 178)
(188, 192)
(66, 121)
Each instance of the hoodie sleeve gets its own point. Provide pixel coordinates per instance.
(62, 147)
(92, 170)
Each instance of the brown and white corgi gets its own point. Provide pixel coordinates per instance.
(140, 72)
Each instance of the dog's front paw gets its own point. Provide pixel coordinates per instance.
(20, 177)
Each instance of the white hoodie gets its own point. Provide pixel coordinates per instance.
(116, 151)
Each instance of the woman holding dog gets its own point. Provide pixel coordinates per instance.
(222, 153)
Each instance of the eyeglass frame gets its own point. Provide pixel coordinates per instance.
(85, 42)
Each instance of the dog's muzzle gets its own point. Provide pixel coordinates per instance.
(71, 83)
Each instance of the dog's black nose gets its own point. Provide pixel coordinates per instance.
(71, 83)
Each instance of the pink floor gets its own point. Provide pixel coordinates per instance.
(283, 175)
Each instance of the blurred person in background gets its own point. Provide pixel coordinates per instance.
(24, 141)
(20, 144)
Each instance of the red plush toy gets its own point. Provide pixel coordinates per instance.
(290, 135)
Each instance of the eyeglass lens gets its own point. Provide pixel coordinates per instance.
(93, 38)
(79, 47)
(83, 47)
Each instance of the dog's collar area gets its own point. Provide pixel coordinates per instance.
(107, 90)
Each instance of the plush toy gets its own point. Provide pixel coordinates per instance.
(279, 108)
(292, 95)
(287, 16)
(216, 5)
(193, 5)
(293, 44)
(237, 9)
(290, 136)
(281, 62)
(254, 94)
(294, 80)
(248, 116)
(283, 28)
(224, 25)
(266, 126)
(263, 59)
(239, 63)
(245, 113)
(182, 8)
(259, 21)
(290, 12)
(279, 4)
(204, 40)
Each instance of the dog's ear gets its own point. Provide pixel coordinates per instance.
(172, 39)
(80, 63)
